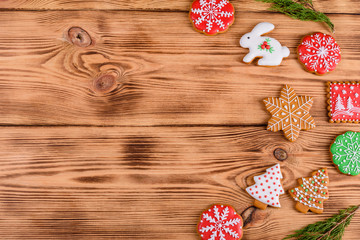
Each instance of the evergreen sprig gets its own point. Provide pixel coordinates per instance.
(299, 9)
(331, 229)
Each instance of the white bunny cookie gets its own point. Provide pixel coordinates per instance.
(268, 49)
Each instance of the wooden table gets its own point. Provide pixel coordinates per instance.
(134, 135)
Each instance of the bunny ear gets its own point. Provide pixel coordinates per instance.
(262, 28)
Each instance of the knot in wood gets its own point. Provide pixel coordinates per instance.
(79, 37)
(105, 83)
(280, 154)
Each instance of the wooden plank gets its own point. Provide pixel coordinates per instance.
(153, 182)
(241, 6)
(168, 73)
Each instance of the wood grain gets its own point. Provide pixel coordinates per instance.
(153, 182)
(132, 125)
(167, 73)
(243, 6)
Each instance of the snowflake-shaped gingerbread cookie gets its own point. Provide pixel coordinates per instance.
(346, 153)
(220, 222)
(319, 53)
(290, 113)
(212, 16)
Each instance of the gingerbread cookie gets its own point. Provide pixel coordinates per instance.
(319, 53)
(220, 222)
(212, 16)
(346, 153)
(312, 192)
(268, 49)
(290, 113)
(344, 102)
(267, 188)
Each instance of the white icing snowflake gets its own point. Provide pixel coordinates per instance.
(346, 152)
(322, 53)
(212, 13)
(219, 224)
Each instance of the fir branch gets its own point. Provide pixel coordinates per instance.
(299, 9)
(332, 228)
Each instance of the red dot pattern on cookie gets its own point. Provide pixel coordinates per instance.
(319, 53)
(268, 195)
(220, 222)
(344, 101)
(212, 16)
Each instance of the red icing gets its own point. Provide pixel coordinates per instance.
(345, 102)
(218, 218)
(269, 188)
(212, 16)
(319, 53)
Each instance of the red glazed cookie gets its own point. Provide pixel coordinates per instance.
(220, 222)
(344, 101)
(212, 16)
(319, 53)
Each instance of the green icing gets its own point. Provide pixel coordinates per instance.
(346, 153)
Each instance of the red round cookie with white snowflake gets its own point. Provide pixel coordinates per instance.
(220, 222)
(212, 16)
(319, 53)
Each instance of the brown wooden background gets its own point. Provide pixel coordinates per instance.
(183, 127)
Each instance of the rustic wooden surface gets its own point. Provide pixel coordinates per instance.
(177, 126)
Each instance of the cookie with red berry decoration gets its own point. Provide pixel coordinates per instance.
(212, 16)
(319, 53)
(220, 222)
(267, 188)
(312, 192)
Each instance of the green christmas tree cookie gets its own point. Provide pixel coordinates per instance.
(346, 153)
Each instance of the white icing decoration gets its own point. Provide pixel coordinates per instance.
(291, 117)
(338, 106)
(311, 191)
(211, 12)
(349, 151)
(220, 224)
(253, 41)
(267, 187)
(323, 56)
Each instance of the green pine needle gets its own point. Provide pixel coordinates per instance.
(331, 229)
(299, 9)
